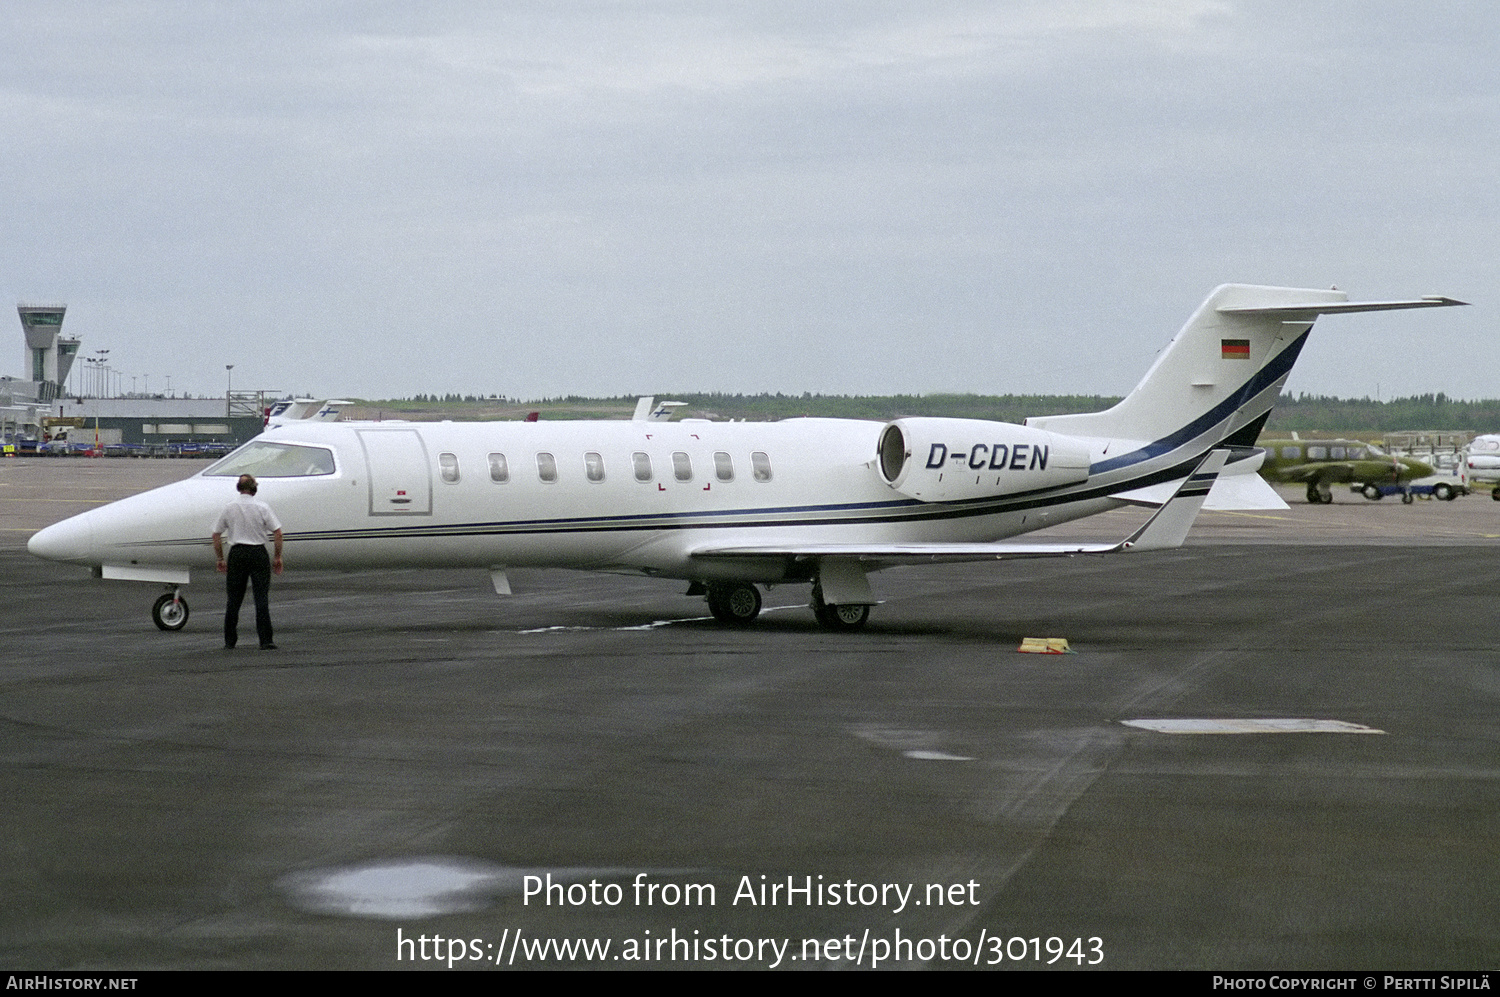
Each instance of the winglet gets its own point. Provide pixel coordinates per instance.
(1169, 527)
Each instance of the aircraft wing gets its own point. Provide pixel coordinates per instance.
(1334, 471)
(1167, 528)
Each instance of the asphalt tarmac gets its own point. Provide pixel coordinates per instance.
(421, 754)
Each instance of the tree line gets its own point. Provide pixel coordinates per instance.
(1303, 412)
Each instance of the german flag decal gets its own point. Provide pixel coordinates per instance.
(1236, 349)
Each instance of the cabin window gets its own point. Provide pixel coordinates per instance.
(682, 466)
(593, 466)
(274, 460)
(448, 466)
(499, 471)
(1337, 453)
(723, 466)
(760, 464)
(1317, 453)
(642, 463)
(546, 467)
(1291, 453)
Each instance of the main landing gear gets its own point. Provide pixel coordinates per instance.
(841, 618)
(170, 611)
(735, 603)
(738, 604)
(1318, 493)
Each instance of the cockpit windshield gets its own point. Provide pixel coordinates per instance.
(274, 460)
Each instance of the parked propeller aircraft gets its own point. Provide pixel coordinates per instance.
(1320, 464)
(730, 506)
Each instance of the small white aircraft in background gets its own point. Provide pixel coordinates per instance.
(290, 410)
(1482, 461)
(729, 506)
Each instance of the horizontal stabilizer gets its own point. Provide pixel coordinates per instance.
(1316, 308)
(1167, 528)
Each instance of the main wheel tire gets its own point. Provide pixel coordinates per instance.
(736, 603)
(1407, 498)
(1372, 492)
(1313, 498)
(841, 619)
(170, 612)
(1496, 493)
(1444, 492)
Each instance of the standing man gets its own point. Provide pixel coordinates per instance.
(249, 523)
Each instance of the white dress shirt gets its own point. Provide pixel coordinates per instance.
(247, 520)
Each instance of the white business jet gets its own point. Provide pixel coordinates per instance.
(1482, 461)
(730, 506)
(290, 410)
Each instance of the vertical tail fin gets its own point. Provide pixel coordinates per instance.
(1219, 377)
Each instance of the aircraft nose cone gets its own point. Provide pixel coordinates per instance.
(69, 540)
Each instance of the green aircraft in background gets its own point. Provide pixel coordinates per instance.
(1320, 464)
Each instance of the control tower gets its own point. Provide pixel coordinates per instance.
(49, 356)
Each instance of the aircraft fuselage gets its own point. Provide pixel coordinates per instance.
(601, 496)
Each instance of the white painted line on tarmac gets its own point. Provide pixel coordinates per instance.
(645, 626)
(1246, 725)
(936, 756)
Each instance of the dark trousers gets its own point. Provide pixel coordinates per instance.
(248, 563)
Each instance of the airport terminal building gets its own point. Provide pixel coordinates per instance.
(39, 410)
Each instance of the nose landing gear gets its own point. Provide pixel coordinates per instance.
(170, 612)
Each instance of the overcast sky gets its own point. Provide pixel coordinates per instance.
(375, 199)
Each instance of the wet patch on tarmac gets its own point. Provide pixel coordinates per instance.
(418, 887)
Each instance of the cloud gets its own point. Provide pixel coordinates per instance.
(594, 197)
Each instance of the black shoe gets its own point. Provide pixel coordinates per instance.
(228, 646)
(268, 647)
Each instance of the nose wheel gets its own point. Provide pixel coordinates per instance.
(170, 612)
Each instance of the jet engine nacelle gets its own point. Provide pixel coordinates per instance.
(950, 460)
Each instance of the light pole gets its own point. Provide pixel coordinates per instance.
(228, 389)
(101, 357)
